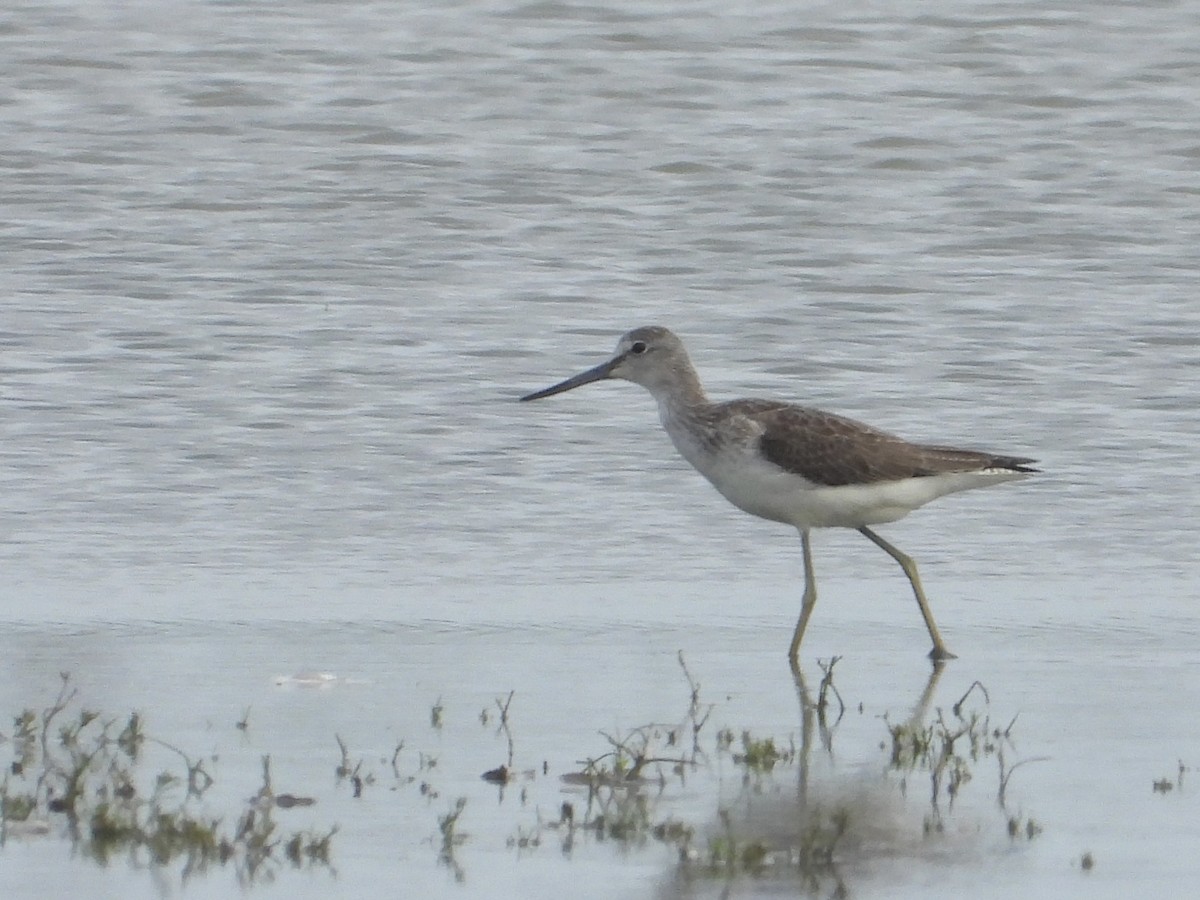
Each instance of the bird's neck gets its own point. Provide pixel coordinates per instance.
(681, 395)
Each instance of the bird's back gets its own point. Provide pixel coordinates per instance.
(832, 450)
(813, 468)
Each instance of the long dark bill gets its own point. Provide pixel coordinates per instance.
(601, 371)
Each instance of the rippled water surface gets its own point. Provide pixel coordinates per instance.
(275, 274)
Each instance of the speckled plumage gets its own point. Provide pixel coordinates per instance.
(794, 464)
(831, 450)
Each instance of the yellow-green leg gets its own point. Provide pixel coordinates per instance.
(807, 602)
(939, 650)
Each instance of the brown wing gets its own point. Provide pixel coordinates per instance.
(832, 450)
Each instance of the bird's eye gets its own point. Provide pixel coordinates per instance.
(637, 347)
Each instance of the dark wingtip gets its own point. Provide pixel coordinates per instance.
(1017, 464)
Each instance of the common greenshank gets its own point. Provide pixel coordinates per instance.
(793, 464)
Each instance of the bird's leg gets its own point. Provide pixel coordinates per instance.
(807, 602)
(939, 650)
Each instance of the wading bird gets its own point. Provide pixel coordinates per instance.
(793, 464)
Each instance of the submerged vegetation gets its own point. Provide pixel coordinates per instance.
(114, 791)
(783, 812)
(774, 819)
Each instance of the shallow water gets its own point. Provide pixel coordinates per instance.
(1097, 708)
(276, 274)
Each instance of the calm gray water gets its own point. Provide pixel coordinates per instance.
(275, 273)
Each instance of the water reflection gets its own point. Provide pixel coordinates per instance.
(115, 791)
(838, 823)
(816, 713)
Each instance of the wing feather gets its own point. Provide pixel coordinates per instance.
(832, 450)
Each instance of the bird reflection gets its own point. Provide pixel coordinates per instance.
(843, 821)
(820, 716)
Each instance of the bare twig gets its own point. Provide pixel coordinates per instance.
(826, 686)
(957, 707)
(503, 726)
